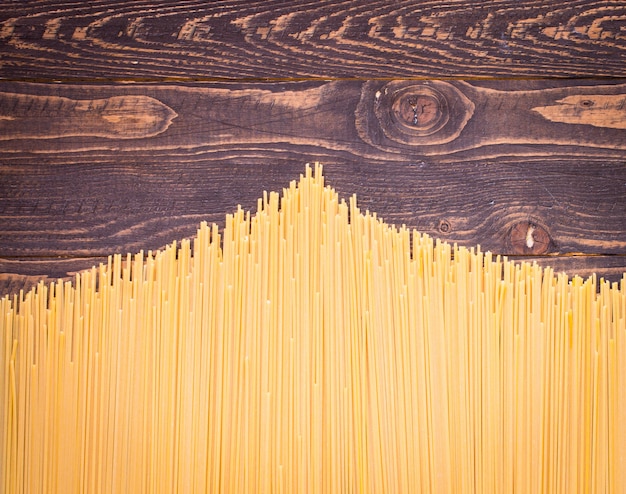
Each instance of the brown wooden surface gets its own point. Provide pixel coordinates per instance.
(125, 124)
(134, 40)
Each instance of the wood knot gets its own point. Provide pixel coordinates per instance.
(413, 113)
(444, 226)
(529, 238)
(422, 110)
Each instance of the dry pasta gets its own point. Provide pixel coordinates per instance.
(312, 347)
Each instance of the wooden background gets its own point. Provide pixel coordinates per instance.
(124, 124)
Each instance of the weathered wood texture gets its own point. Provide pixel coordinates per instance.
(533, 168)
(229, 39)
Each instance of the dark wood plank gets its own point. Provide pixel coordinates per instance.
(389, 121)
(192, 40)
(103, 208)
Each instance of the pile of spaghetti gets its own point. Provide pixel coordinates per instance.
(311, 347)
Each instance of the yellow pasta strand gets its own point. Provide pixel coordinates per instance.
(311, 347)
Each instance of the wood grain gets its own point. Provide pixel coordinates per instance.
(26, 116)
(360, 118)
(193, 40)
(588, 109)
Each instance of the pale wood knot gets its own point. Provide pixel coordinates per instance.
(529, 238)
